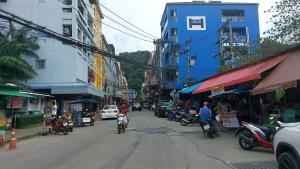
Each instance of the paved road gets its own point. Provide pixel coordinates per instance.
(149, 143)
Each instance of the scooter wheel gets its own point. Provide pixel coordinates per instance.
(52, 131)
(243, 143)
(65, 130)
(183, 123)
(119, 129)
(92, 123)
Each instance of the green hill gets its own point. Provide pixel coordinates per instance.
(134, 73)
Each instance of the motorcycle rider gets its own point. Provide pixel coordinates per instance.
(123, 113)
(205, 114)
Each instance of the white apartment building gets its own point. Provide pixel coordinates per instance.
(62, 69)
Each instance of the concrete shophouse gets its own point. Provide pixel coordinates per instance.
(64, 71)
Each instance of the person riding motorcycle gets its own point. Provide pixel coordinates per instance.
(123, 112)
(205, 115)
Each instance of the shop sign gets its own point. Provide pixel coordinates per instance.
(17, 102)
(196, 23)
(217, 90)
(230, 120)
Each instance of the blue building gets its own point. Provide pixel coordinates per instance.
(207, 34)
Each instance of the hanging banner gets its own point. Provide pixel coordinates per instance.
(217, 90)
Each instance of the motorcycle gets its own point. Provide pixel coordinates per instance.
(251, 135)
(70, 124)
(209, 129)
(121, 124)
(171, 114)
(180, 114)
(59, 125)
(189, 118)
(88, 118)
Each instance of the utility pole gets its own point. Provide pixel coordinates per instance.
(221, 44)
(188, 42)
(231, 39)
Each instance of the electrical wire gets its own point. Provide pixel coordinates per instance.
(110, 25)
(70, 41)
(126, 20)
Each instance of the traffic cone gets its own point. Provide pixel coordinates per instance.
(1, 141)
(13, 140)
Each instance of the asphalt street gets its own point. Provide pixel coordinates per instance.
(149, 143)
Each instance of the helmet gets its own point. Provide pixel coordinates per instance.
(205, 104)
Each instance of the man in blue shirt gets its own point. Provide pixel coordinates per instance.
(205, 115)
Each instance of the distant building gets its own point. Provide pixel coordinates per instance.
(208, 26)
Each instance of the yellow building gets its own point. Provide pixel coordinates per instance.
(99, 62)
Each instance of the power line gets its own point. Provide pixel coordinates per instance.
(110, 25)
(126, 27)
(126, 33)
(126, 20)
(68, 41)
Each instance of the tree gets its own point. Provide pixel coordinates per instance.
(260, 49)
(13, 45)
(135, 73)
(286, 21)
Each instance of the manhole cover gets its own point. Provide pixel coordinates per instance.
(161, 130)
(257, 165)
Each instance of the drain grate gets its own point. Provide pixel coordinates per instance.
(256, 165)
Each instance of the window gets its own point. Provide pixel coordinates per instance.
(68, 2)
(67, 30)
(42, 1)
(174, 34)
(67, 10)
(234, 15)
(2, 1)
(40, 64)
(174, 15)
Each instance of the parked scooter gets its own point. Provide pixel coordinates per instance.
(171, 115)
(189, 118)
(181, 113)
(70, 124)
(121, 123)
(59, 125)
(251, 135)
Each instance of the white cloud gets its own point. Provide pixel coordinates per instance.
(146, 14)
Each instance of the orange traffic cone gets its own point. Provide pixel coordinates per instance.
(1, 141)
(13, 140)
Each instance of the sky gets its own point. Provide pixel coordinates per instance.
(146, 14)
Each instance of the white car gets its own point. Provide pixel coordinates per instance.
(109, 111)
(287, 146)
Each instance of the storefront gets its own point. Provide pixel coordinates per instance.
(281, 89)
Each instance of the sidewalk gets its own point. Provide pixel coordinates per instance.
(24, 132)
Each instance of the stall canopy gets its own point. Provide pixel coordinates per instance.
(240, 75)
(12, 92)
(283, 76)
(83, 101)
(190, 89)
(234, 91)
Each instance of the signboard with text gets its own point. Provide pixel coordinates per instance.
(196, 23)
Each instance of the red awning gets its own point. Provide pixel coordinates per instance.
(240, 75)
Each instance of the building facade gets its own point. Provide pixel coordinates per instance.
(64, 71)
(198, 37)
(99, 62)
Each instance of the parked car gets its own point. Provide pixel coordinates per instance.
(287, 145)
(161, 109)
(109, 111)
(137, 106)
